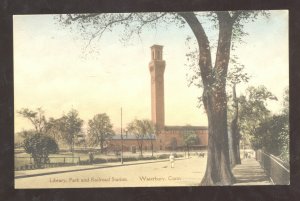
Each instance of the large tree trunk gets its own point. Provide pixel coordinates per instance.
(235, 134)
(218, 170)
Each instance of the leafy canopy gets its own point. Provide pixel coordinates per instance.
(190, 138)
(70, 126)
(99, 129)
(141, 128)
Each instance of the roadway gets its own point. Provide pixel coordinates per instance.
(187, 172)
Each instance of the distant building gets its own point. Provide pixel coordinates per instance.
(166, 137)
(130, 143)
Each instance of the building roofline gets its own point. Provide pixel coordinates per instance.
(160, 46)
(132, 137)
(185, 127)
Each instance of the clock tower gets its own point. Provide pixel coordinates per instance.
(157, 69)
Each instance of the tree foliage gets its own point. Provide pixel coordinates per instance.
(53, 128)
(37, 118)
(100, 130)
(272, 134)
(70, 126)
(41, 124)
(286, 103)
(141, 129)
(21, 136)
(151, 133)
(40, 146)
(189, 138)
(285, 134)
(254, 111)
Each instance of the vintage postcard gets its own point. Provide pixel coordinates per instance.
(151, 99)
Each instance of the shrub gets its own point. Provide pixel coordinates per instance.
(178, 155)
(40, 146)
(163, 156)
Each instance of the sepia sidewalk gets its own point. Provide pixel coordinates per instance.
(250, 173)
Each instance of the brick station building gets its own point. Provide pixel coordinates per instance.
(166, 137)
(130, 143)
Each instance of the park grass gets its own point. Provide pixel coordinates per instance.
(23, 159)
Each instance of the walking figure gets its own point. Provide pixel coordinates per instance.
(172, 160)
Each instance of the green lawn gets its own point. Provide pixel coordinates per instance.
(22, 159)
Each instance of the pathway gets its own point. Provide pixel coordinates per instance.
(250, 173)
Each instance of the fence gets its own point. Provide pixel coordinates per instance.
(27, 163)
(274, 168)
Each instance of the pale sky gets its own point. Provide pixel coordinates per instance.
(51, 71)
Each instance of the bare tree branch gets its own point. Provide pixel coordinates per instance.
(83, 16)
(152, 20)
(203, 44)
(100, 31)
